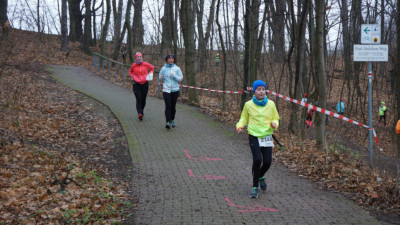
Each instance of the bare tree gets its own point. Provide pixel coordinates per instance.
(278, 31)
(235, 26)
(127, 26)
(137, 25)
(104, 30)
(3, 11)
(64, 26)
(117, 31)
(300, 61)
(167, 22)
(75, 20)
(344, 17)
(175, 28)
(223, 53)
(94, 22)
(321, 71)
(251, 25)
(357, 20)
(87, 36)
(38, 16)
(203, 38)
(397, 78)
(187, 24)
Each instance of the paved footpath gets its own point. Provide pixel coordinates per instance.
(200, 171)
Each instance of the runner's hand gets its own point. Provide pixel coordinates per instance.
(273, 125)
(239, 130)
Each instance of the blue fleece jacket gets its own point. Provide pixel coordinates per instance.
(171, 83)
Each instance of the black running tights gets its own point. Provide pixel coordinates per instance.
(262, 159)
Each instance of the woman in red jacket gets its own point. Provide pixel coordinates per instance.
(140, 75)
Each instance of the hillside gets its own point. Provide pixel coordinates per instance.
(50, 133)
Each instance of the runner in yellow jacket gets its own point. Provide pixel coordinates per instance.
(382, 113)
(262, 118)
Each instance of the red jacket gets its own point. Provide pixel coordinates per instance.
(139, 72)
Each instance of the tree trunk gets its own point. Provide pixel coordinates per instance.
(94, 24)
(38, 16)
(3, 12)
(175, 38)
(344, 17)
(137, 25)
(255, 8)
(203, 38)
(128, 28)
(167, 22)
(300, 62)
(235, 27)
(357, 21)
(313, 59)
(320, 117)
(250, 45)
(87, 36)
(75, 20)
(187, 23)
(117, 31)
(223, 53)
(64, 26)
(104, 30)
(278, 30)
(260, 40)
(397, 79)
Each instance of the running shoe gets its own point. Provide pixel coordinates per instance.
(168, 125)
(263, 184)
(140, 117)
(254, 193)
(172, 123)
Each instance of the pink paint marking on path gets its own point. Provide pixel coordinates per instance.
(201, 158)
(187, 154)
(258, 208)
(205, 177)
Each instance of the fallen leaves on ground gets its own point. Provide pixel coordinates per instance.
(53, 147)
(343, 171)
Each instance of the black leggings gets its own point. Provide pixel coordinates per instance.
(260, 155)
(140, 91)
(170, 100)
(384, 119)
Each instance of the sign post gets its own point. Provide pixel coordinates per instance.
(370, 112)
(370, 51)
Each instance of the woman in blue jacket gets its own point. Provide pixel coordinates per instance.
(340, 107)
(170, 75)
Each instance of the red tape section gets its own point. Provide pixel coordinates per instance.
(327, 112)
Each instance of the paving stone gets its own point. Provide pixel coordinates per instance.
(166, 192)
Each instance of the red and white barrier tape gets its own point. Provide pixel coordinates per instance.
(327, 112)
(206, 89)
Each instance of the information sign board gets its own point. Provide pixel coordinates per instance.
(370, 34)
(371, 53)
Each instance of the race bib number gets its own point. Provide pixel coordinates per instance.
(266, 141)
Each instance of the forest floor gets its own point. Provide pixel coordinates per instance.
(50, 133)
